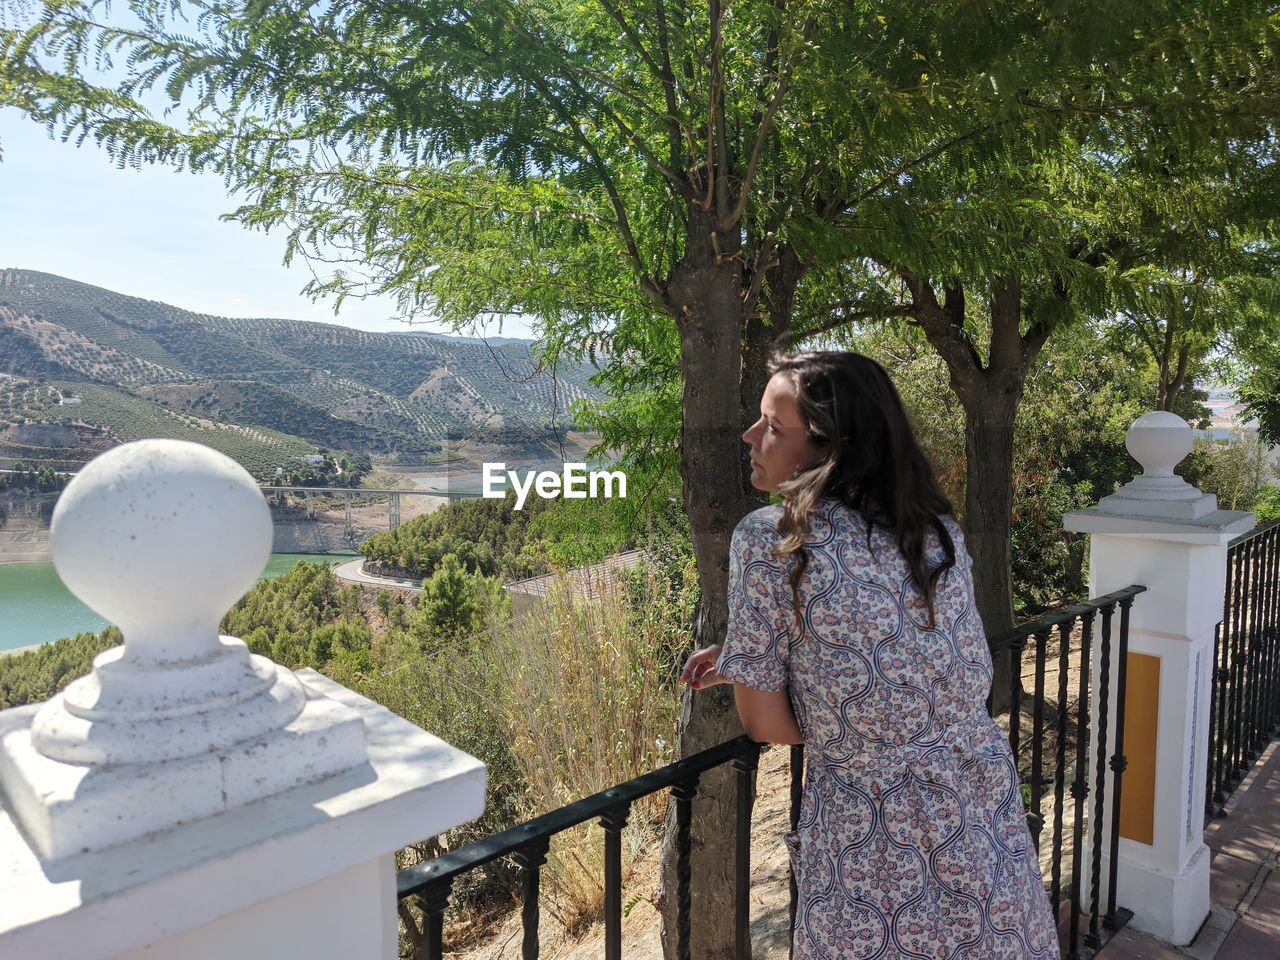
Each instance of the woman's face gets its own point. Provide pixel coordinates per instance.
(779, 440)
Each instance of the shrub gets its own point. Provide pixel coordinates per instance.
(455, 603)
(1267, 507)
(1236, 469)
(36, 675)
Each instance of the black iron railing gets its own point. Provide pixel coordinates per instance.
(1245, 708)
(430, 883)
(1073, 629)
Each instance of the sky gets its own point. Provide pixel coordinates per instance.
(155, 233)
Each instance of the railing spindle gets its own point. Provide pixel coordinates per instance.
(1097, 822)
(1237, 665)
(433, 901)
(1037, 740)
(1269, 626)
(1223, 682)
(1080, 786)
(1264, 642)
(797, 794)
(1060, 768)
(1254, 641)
(1215, 740)
(1016, 649)
(1273, 625)
(1263, 729)
(1119, 762)
(744, 768)
(530, 859)
(613, 823)
(683, 794)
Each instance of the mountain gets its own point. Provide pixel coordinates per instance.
(82, 368)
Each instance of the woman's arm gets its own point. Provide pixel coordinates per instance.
(766, 714)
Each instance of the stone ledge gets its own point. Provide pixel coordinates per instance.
(101, 904)
(1212, 529)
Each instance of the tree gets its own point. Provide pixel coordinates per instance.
(455, 603)
(649, 174)
(1259, 349)
(1148, 153)
(1180, 322)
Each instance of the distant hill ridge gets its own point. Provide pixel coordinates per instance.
(296, 383)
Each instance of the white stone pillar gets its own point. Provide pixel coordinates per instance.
(1163, 533)
(187, 799)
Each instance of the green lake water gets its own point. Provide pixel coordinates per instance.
(35, 607)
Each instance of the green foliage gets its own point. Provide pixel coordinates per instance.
(1069, 452)
(1237, 469)
(574, 533)
(1259, 353)
(1069, 447)
(25, 476)
(455, 603)
(337, 470)
(303, 618)
(35, 675)
(1267, 506)
(1261, 399)
(487, 536)
(590, 700)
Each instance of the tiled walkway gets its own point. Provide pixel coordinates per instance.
(1245, 922)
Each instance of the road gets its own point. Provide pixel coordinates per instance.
(352, 573)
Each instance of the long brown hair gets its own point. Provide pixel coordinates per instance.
(872, 463)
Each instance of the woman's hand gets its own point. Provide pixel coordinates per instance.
(700, 669)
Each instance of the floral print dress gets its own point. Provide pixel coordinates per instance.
(912, 839)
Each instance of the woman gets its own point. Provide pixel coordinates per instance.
(853, 630)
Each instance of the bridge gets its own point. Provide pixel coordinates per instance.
(277, 491)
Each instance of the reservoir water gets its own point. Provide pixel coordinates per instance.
(35, 606)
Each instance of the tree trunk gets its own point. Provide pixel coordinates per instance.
(989, 393)
(988, 444)
(705, 293)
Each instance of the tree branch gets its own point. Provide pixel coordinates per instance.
(843, 320)
(765, 125)
(715, 116)
(668, 79)
(648, 282)
(902, 168)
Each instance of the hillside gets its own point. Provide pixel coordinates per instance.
(140, 365)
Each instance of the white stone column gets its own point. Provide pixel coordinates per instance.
(1163, 533)
(187, 799)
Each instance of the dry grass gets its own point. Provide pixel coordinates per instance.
(591, 702)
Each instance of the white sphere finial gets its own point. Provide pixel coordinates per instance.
(1159, 440)
(161, 537)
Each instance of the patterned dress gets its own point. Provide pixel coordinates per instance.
(912, 840)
